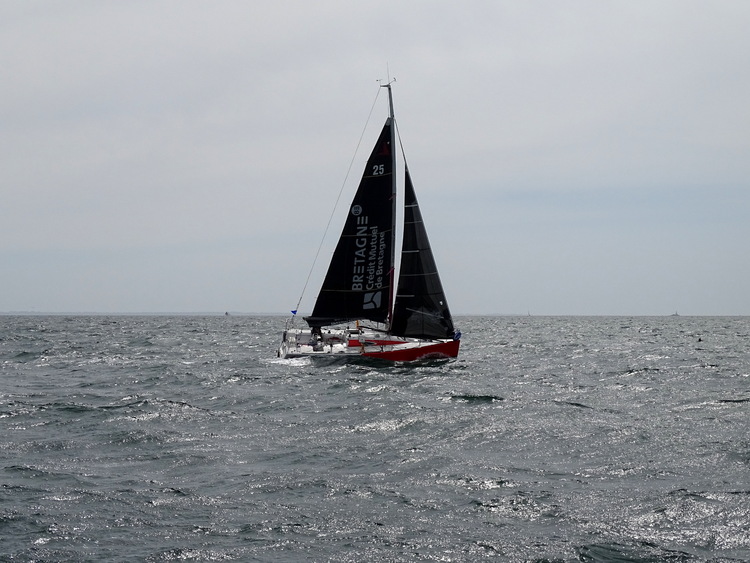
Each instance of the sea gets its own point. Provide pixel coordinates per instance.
(549, 439)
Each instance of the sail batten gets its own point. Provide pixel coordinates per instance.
(421, 274)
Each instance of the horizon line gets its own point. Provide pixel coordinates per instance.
(31, 313)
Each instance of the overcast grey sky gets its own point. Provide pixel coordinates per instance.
(578, 157)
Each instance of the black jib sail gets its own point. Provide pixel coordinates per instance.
(358, 282)
(421, 310)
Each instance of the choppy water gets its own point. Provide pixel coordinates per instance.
(549, 439)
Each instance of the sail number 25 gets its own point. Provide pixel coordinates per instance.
(378, 169)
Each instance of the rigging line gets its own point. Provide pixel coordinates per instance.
(400, 142)
(335, 205)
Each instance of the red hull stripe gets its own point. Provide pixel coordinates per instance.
(429, 351)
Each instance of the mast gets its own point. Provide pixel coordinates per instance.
(391, 274)
(390, 98)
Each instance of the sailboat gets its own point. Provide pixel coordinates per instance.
(357, 312)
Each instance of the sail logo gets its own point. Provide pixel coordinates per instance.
(372, 300)
(360, 244)
(369, 246)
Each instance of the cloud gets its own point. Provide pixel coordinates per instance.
(200, 144)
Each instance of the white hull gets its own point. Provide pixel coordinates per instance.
(352, 343)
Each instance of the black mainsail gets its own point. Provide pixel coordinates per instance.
(421, 309)
(358, 284)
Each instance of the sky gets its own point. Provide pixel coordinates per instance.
(570, 158)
